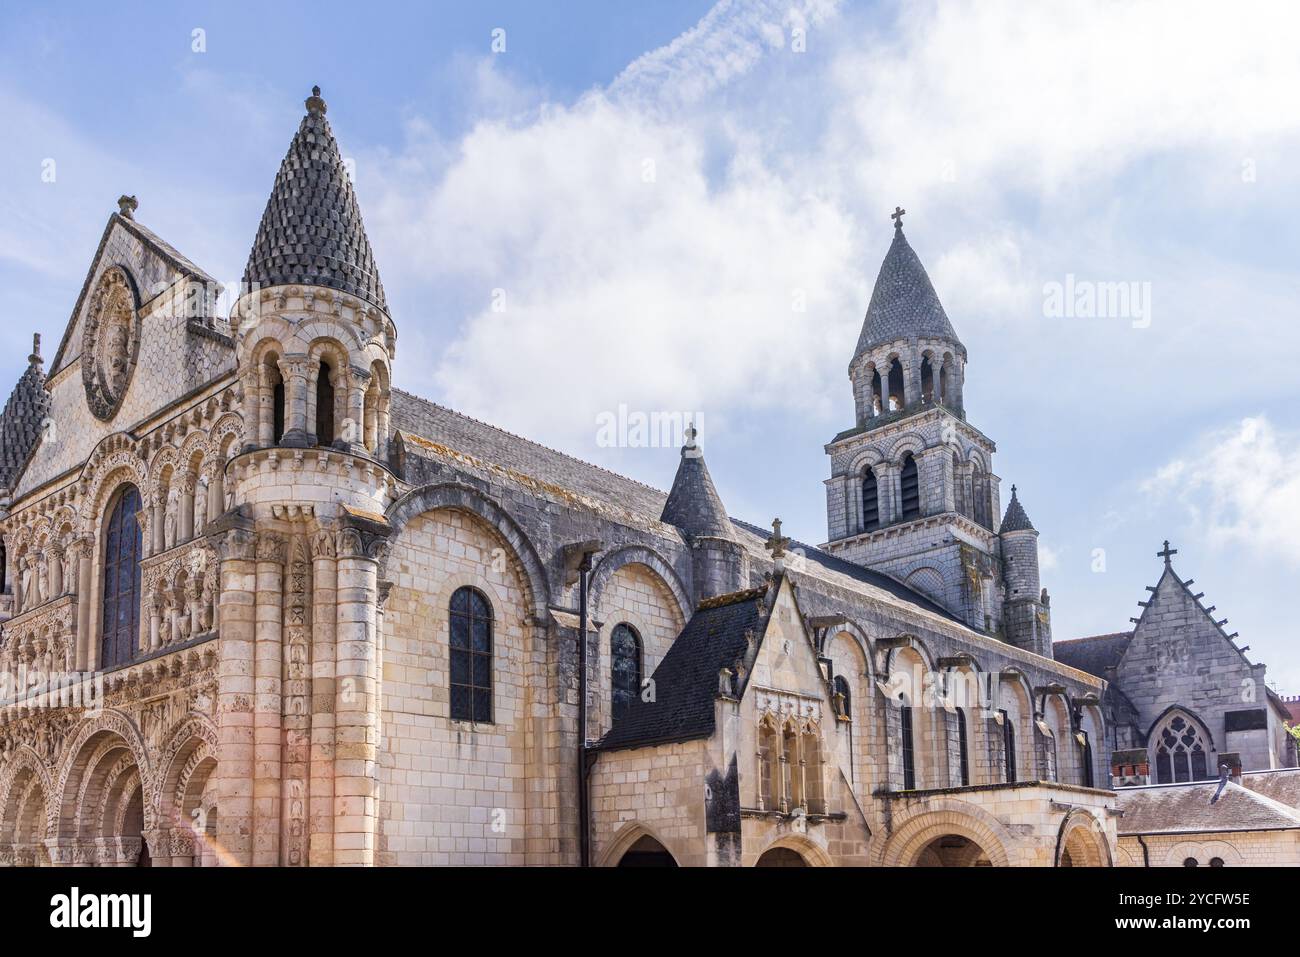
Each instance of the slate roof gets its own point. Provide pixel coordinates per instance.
(693, 503)
(20, 422)
(686, 681)
(1016, 520)
(311, 231)
(1184, 808)
(1093, 655)
(1280, 784)
(903, 304)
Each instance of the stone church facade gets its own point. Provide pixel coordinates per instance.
(260, 607)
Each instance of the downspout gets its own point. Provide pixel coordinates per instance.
(1146, 854)
(584, 816)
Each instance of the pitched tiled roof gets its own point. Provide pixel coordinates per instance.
(686, 681)
(1093, 655)
(693, 503)
(903, 304)
(311, 232)
(1016, 520)
(1281, 785)
(490, 444)
(20, 422)
(1178, 808)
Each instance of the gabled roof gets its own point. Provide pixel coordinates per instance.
(22, 418)
(693, 503)
(1016, 520)
(686, 681)
(466, 436)
(1182, 808)
(165, 251)
(311, 231)
(1095, 654)
(903, 304)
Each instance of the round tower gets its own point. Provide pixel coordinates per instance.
(694, 506)
(1026, 617)
(301, 601)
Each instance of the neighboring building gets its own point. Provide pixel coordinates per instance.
(1250, 820)
(1182, 698)
(339, 624)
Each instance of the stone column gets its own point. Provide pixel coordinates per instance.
(320, 846)
(313, 377)
(912, 380)
(235, 693)
(264, 399)
(294, 371)
(354, 434)
(185, 521)
(356, 709)
(267, 670)
(883, 369)
(56, 571)
(84, 572)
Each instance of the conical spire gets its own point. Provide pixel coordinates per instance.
(903, 304)
(311, 231)
(23, 416)
(693, 504)
(1016, 520)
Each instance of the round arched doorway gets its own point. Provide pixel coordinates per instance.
(952, 850)
(780, 857)
(647, 852)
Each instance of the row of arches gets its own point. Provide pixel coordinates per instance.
(893, 381)
(106, 805)
(891, 492)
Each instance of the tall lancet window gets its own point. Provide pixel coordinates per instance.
(625, 668)
(907, 746)
(910, 487)
(963, 751)
(121, 606)
(471, 656)
(870, 501)
(1008, 747)
(325, 405)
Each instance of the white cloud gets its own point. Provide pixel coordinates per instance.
(1240, 487)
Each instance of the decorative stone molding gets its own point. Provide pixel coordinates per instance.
(110, 342)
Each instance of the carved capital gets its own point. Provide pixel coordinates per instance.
(270, 547)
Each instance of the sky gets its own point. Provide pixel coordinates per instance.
(681, 207)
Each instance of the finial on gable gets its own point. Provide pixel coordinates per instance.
(776, 545)
(315, 105)
(1167, 553)
(126, 206)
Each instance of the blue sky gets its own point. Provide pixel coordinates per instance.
(648, 187)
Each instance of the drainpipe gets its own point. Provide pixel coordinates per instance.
(1146, 854)
(584, 814)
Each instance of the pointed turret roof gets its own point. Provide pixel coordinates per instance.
(903, 304)
(693, 504)
(1016, 520)
(20, 422)
(311, 231)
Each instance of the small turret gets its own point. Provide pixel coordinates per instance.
(24, 416)
(1027, 619)
(694, 507)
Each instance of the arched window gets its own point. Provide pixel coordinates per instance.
(927, 380)
(121, 606)
(1180, 751)
(910, 488)
(981, 491)
(870, 501)
(768, 766)
(1008, 747)
(896, 393)
(792, 795)
(845, 694)
(1216, 862)
(1190, 862)
(879, 401)
(811, 755)
(906, 746)
(471, 656)
(325, 405)
(4, 568)
(963, 752)
(625, 668)
(1087, 760)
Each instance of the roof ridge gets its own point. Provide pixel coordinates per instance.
(521, 438)
(1109, 634)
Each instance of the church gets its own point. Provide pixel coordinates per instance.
(260, 607)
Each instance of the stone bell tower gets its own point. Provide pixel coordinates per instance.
(301, 603)
(912, 491)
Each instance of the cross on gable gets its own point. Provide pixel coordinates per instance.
(1167, 553)
(777, 543)
(897, 216)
